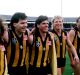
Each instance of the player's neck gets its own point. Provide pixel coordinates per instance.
(19, 34)
(58, 32)
(43, 35)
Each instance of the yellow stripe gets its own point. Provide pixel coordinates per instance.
(63, 45)
(16, 58)
(32, 55)
(54, 60)
(46, 52)
(27, 59)
(8, 53)
(24, 51)
(2, 62)
(39, 54)
(6, 68)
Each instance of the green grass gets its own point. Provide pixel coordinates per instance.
(68, 69)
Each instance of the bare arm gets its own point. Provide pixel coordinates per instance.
(72, 49)
(71, 36)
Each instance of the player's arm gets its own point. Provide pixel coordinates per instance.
(72, 49)
(71, 36)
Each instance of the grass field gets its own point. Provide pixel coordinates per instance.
(68, 69)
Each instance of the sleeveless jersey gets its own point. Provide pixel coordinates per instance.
(60, 43)
(40, 51)
(16, 50)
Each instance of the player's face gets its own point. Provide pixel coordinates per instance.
(58, 24)
(43, 27)
(21, 26)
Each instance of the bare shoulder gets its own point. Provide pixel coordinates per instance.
(70, 37)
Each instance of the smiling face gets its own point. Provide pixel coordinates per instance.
(20, 26)
(43, 26)
(57, 23)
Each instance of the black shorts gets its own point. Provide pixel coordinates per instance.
(39, 71)
(61, 62)
(17, 70)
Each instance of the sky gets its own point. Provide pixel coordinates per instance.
(51, 8)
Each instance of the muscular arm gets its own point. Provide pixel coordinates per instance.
(71, 47)
(71, 37)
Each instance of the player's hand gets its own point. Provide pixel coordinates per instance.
(76, 59)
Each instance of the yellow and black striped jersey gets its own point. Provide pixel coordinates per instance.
(40, 51)
(3, 62)
(60, 43)
(16, 50)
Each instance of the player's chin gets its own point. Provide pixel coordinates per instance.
(45, 31)
(23, 30)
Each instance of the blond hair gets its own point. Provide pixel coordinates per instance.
(56, 17)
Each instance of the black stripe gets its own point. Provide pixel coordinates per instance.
(20, 57)
(43, 53)
(42, 60)
(60, 39)
(20, 40)
(12, 54)
(36, 53)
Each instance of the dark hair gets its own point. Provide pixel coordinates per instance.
(16, 17)
(40, 19)
(1, 28)
(77, 19)
(1, 31)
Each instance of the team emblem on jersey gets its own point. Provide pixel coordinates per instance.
(37, 43)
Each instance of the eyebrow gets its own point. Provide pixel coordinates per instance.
(23, 22)
(45, 23)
